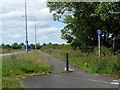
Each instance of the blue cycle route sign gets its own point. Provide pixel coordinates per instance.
(99, 31)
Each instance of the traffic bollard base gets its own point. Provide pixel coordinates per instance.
(69, 70)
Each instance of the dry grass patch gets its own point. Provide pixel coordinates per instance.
(34, 56)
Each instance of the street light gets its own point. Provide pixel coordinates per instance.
(35, 36)
(26, 27)
(35, 33)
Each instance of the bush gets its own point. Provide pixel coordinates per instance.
(106, 51)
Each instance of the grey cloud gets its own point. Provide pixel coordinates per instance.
(11, 6)
(14, 24)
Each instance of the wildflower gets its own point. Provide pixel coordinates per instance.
(85, 64)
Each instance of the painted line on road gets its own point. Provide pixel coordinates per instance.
(115, 80)
(84, 79)
(114, 83)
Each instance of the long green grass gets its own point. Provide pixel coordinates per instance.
(108, 63)
(20, 66)
(4, 51)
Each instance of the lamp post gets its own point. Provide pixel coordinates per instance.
(35, 33)
(35, 36)
(26, 27)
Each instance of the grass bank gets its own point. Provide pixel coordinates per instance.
(4, 51)
(107, 64)
(20, 66)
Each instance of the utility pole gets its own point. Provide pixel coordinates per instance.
(35, 36)
(26, 27)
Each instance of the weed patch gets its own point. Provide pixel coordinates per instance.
(23, 65)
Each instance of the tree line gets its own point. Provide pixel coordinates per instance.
(82, 19)
(19, 46)
(32, 46)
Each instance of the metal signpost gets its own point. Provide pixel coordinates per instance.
(99, 32)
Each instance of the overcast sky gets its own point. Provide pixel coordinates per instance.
(13, 24)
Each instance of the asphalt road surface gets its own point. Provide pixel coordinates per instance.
(76, 79)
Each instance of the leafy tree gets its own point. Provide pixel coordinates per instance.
(49, 43)
(20, 45)
(38, 46)
(82, 19)
(80, 24)
(44, 44)
(3, 45)
(15, 46)
(110, 16)
(32, 46)
(7, 46)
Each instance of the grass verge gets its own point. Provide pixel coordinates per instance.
(107, 64)
(4, 51)
(20, 66)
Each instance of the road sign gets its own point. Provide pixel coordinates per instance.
(99, 32)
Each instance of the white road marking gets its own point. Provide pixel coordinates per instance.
(114, 83)
(84, 79)
(115, 80)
